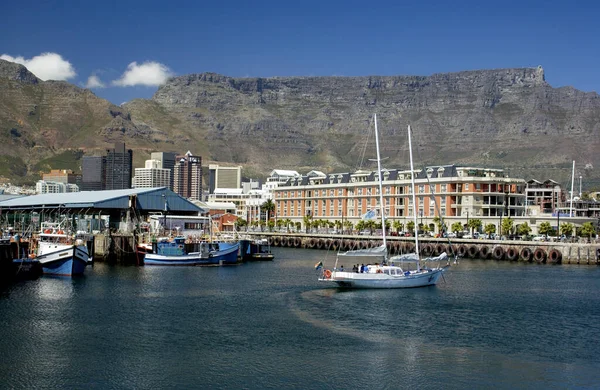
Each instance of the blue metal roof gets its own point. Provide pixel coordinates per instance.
(147, 199)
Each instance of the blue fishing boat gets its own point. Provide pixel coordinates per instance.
(177, 252)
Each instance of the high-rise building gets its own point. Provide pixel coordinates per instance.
(187, 180)
(153, 175)
(93, 173)
(223, 177)
(167, 161)
(118, 167)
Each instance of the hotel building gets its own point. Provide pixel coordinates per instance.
(454, 193)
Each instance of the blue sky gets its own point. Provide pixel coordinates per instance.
(131, 46)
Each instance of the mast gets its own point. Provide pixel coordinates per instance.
(572, 189)
(381, 206)
(414, 197)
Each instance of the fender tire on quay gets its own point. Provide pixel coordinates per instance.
(484, 252)
(498, 253)
(462, 250)
(439, 249)
(539, 255)
(525, 254)
(512, 254)
(554, 256)
(473, 251)
(427, 249)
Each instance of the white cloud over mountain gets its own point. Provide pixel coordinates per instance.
(46, 66)
(94, 82)
(149, 73)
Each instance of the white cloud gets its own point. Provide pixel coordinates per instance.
(46, 66)
(94, 82)
(149, 74)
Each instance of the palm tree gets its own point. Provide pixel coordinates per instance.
(268, 207)
(587, 229)
(457, 227)
(545, 228)
(507, 225)
(566, 229)
(240, 223)
(348, 226)
(474, 224)
(523, 229)
(307, 222)
(489, 229)
(410, 226)
(399, 226)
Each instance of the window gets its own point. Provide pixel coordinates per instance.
(443, 188)
(421, 188)
(431, 211)
(466, 186)
(443, 211)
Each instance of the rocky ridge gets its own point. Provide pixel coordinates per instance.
(504, 118)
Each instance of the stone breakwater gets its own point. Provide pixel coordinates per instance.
(526, 251)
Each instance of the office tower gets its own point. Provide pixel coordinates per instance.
(187, 180)
(167, 161)
(93, 173)
(118, 167)
(152, 175)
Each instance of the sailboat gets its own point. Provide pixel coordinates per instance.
(382, 271)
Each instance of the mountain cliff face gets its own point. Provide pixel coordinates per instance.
(509, 118)
(506, 118)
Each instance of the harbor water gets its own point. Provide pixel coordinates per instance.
(266, 325)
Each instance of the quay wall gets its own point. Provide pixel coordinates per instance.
(501, 250)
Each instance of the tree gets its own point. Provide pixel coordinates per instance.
(489, 229)
(279, 224)
(399, 226)
(271, 225)
(457, 227)
(523, 229)
(474, 224)
(507, 225)
(410, 226)
(268, 206)
(307, 222)
(566, 229)
(360, 225)
(240, 223)
(545, 228)
(298, 226)
(348, 226)
(587, 229)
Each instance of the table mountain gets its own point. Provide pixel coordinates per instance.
(505, 118)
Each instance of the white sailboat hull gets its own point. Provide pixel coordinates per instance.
(379, 280)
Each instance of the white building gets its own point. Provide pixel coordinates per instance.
(152, 175)
(53, 187)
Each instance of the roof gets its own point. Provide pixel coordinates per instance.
(220, 205)
(284, 173)
(147, 199)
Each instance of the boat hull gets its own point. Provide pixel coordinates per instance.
(227, 254)
(65, 262)
(353, 280)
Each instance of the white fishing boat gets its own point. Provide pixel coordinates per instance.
(382, 271)
(60, 253)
